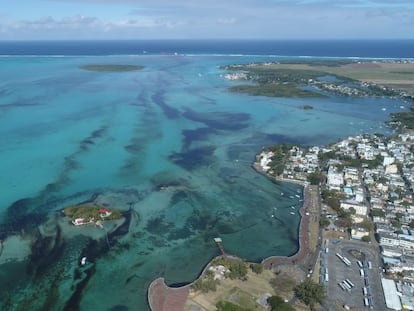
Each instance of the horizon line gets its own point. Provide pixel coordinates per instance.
(213, 39)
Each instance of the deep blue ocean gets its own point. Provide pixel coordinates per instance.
(313, 48)
(167, 145)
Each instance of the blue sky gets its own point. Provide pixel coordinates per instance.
(172, 19)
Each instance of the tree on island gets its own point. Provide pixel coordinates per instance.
(310, 293)
(238, 270)
(366, 238)
(228, 306)
(256, 268)
(324, 222)
(278, 304)
(315, 178)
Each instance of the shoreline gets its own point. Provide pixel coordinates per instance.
(162, 297)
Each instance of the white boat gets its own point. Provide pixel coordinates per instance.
(83, 261)
(292, 213)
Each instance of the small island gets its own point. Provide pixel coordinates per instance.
(307, 107)
(90, 214)
(112, 68)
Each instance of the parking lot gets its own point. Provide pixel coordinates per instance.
(363, 290)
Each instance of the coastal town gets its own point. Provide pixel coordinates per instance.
(367, 184)
(365, 255)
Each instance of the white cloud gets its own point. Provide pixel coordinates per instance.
(73, 27)
(214, 19)
(227, 21)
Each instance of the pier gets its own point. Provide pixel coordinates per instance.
(220, 246)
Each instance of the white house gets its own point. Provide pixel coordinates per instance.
(335, 180)
(360, 209)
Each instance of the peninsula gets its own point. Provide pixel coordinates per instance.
(321, 78)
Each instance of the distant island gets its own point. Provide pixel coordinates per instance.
(307, 107)
(112, 68)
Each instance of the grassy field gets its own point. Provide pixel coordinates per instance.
(289, 79)
(243, 293)
(397, 75)
(369, 71)
(274, 90)
(280, 282)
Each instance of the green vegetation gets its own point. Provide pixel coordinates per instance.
(403, 120)
(332, 198)
(280, 157)
(278, 304)
(276, 83)
(256, 268)
(324, 222)
(111, 68)
(355, 162)
(345, 217)
(238, 269)
(286, 79)
(228, 306)
(377, 213)
(315, 178)
(307, 107)
(205, 285)
(367, 224)
(90, 211)
(320, 63)
(310, 293)
(275, 90)
(396, 223)
(366, 238)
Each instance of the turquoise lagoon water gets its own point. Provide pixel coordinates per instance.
(169, 146)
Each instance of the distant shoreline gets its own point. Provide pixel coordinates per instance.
(299, 48)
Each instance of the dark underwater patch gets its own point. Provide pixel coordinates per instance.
(122, 229)
(133, 148)
(119, 308)
(158, 225)
(170, 112)
(179, 233)
(141, 100)
(22, 214)
(162, 183)
(229, 174)
(98, 133)
(18, 104)
(45, 251)
(73, 304)
(220, 120)
(194, 158)
(178, 196)
(90, 140)
(199, 134)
